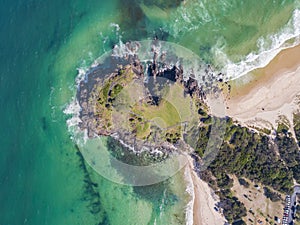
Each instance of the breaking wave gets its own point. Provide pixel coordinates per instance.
(269, 47)
(190, 190)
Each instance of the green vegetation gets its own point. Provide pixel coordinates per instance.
(173, 134)
(165, 111)
(297, 126)
(105, 95)
(248, 154)
(239, 222)
(123, 102)
(116, 90)
(282, 128)
(234, 210)
(186, 106)
(289, 152)
(297, 216)
(202, 140)
(262, 130)
(168, 114)
(273, 196)
(243, 182)
(245, 153)
(113, 86)
(164, 115)
(139, 127)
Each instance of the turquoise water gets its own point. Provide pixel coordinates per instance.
(42, 43)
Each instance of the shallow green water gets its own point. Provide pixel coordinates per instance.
(42, 43)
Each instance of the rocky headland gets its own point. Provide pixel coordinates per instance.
(140, 103)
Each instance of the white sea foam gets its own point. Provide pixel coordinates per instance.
(189, 17)
(81, 75)
(115, 25)
(124, 50)
(73, 108)
(116, 136)
(161, 207)
(269, 47)
(190, 190)
(53, 107)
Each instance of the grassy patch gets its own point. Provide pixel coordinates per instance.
(297, 126)
(282, 128)
(103, 96)
(165, 111)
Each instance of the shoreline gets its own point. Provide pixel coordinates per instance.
(285, 61)
(259, 98)
(204, 200)
(256, 100)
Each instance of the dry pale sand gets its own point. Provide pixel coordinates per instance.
(259, 98)
(256, 99)
(204, 202)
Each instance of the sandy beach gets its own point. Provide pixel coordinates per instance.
(204, 202)
(261, 97)
(258, 99)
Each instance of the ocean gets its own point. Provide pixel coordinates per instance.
(44, 46)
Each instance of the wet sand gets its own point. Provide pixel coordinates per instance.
(204, 202)
(259, 98)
